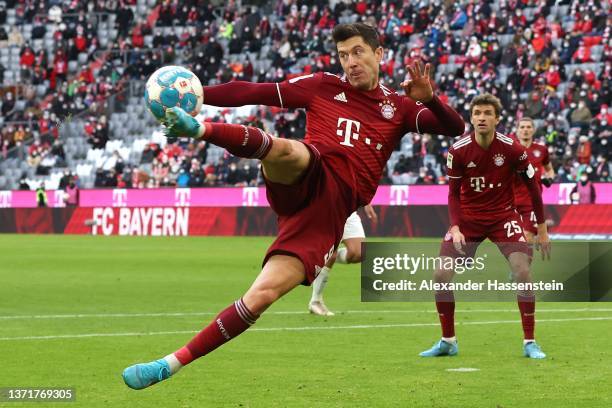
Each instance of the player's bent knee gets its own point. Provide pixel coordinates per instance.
(286, 161)
(286, 150)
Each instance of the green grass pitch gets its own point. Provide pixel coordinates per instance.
(76, 310)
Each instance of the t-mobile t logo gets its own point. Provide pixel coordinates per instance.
(182, 197)
(6, 199)
(59, 198)
(477, 183)
(119, 197)
(399, 195)
(347, 133)
(250, 196)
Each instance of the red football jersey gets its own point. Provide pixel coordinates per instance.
(363, 127)
(487, 175)
(538, 156)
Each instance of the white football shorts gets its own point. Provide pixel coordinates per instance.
(353, 228)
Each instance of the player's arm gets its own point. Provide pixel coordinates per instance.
(543, 242)
(455, 174)
(370, 213)
(549, 172)
(294, 93)
(429, 114)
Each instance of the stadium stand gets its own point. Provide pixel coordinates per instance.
(72, 76)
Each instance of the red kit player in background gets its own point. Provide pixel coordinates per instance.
(544, 174)
(353, 125)
(481, 168)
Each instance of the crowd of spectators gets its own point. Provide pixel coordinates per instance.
(46, 95)
(555, 70)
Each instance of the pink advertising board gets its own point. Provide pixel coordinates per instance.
(256, 196)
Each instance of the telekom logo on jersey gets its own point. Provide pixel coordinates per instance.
(477, 183)
(348, 131)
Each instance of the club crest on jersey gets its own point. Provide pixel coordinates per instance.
(537, 153)
(498, 159)
(387, 108)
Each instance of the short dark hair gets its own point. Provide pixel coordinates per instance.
(487, 99)
(343, 32)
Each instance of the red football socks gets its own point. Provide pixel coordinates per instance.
(230, 323)
(526, 306)
(445, 303)
(239, 140)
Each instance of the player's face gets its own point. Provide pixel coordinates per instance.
(484, 120)
(525, 132)
(360, 62)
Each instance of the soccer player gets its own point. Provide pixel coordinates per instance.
(544, 174)
(481, 171)
(352, 238)
(353, 125)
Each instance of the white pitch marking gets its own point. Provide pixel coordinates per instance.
(463, 369)
(288, 312)
(305, 328)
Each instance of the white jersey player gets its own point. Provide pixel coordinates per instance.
(352, 238)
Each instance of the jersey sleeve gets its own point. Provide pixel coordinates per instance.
(521, 160)
(298, 92)
(454, 165)
(545, 156)
(434, 117)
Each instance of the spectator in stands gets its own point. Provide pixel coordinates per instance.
(583, 153)
(196, 175)
(71, 198)
(3, 37)
(182, 180)
(23, 184)
(41, 195)
(584, 191)
(534, 105)
(581, 116)
(38, 29)
(15, 39)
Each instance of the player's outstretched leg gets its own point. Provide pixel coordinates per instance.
(317, 305)
(519, 262)
(280, 274)
(284, 160)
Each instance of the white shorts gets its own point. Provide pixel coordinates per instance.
(353, 227)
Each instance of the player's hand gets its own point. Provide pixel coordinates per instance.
(418, 86)
(458, 239)
(542, 243)
(371, 213)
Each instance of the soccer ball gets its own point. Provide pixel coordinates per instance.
(173, 86)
